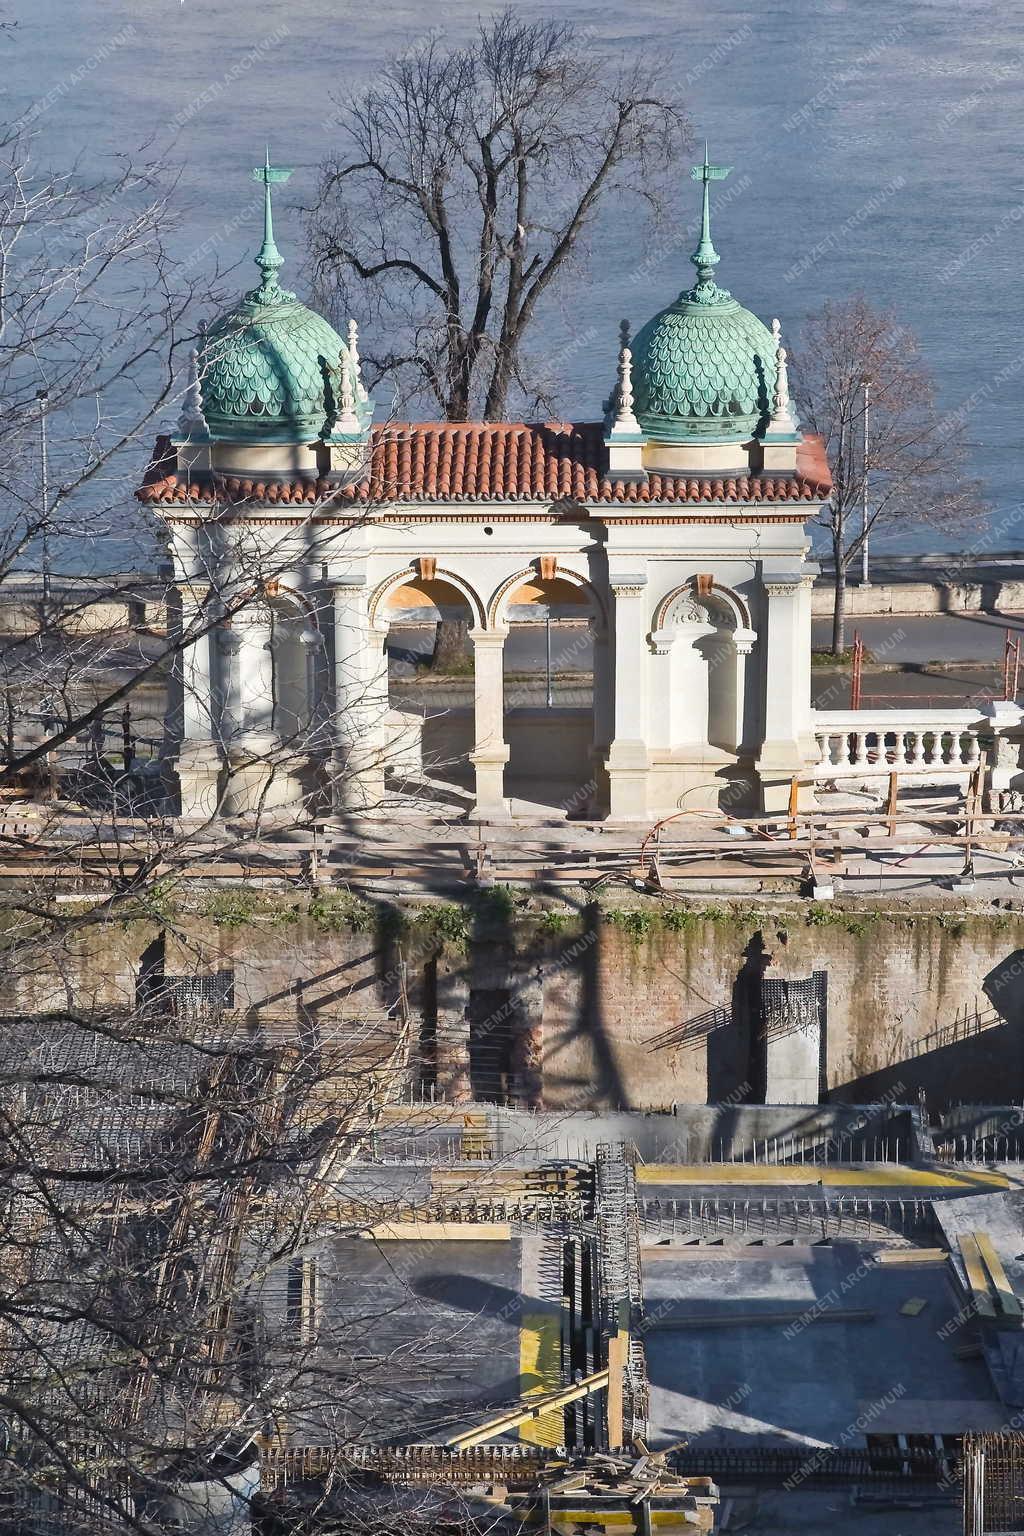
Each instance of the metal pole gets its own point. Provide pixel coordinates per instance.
(547, 656)
(43, 395)
(865, 579)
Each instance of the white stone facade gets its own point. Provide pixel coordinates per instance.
(701, 652)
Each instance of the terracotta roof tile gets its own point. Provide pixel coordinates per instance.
(441, 461)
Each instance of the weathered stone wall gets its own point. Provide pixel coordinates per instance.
(638, 1006)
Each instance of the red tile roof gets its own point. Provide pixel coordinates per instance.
(492, 461)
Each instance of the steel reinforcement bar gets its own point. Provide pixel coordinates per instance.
(846, 1216)
(509, 1464)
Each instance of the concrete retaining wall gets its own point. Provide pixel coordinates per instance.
(617, 1010)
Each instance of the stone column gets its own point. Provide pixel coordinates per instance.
(628, 759)
(193, 748)
(788, 746)
(246, 665)
(490, 752)
(604, 717)
(360, 702)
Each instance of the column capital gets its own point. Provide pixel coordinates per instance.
(783, 583)
(628, 584)
(489, 637)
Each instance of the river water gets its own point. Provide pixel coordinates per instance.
(875, 148)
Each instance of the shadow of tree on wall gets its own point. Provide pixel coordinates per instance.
(977, 1058)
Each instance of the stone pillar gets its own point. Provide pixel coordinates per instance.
(604, 717)
(360, 702)
(192, 746)
(788, 746)
(490, 752)
(628, 759)
(1004, 763)
(255, 778)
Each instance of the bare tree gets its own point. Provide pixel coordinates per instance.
(469, 179)
(855, 357)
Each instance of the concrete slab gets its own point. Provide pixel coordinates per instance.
(430, 1328)
(807, 1383)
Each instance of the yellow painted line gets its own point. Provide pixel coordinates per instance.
(540, 1372)
(895, 1177)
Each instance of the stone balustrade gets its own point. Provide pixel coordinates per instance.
(925, 743)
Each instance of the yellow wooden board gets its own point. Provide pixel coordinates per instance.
(976, 1276)
(1008, 1301)
(893, 1177)
(540, 1371)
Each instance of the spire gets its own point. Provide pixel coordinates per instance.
(705, 258)
(269, 258)
(353, 360)
(783, 417)
(622, 400)
(192, 422)
(351, 396)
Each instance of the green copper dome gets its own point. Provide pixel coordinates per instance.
(264, 372)
(704, 368)
(273, 371)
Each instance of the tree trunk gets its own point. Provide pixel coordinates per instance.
(451, 645)
(839, 611)
(497, 392)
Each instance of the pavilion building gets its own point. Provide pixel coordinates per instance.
(300, 529)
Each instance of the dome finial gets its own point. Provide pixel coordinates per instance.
(783, 421)
(269, 258)
(705, 258)
(622, 400)
(192, 422)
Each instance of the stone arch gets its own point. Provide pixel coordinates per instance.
(721, 606)
(499, 600)
(410, 574)
(703, 630)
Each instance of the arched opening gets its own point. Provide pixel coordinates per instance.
(702, 712)
(555, 630)
(430, 721)
(269, 677)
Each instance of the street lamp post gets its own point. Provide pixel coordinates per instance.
(865, 578)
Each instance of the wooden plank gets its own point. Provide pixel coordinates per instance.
(976, 1278)
(1005, 1294)
(618, 1347)
(908, 1256)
